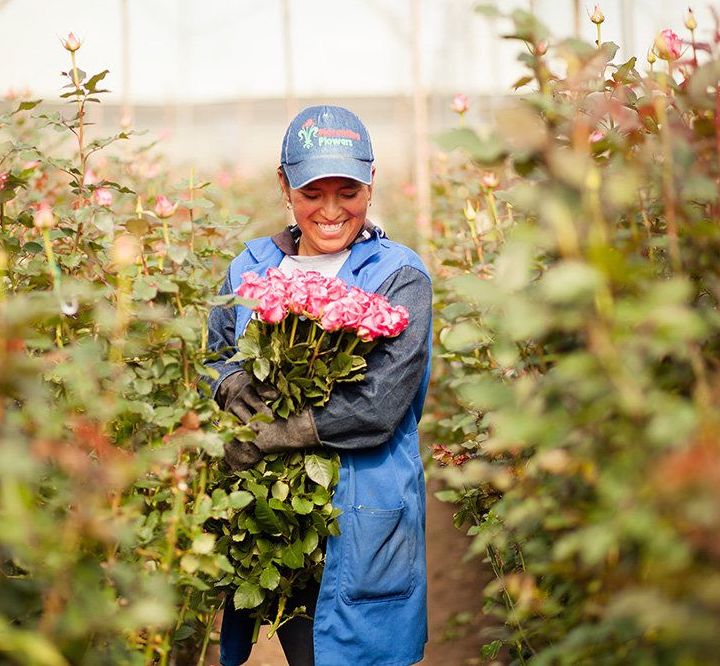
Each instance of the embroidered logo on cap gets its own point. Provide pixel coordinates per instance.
(307, 133)
(327, 136)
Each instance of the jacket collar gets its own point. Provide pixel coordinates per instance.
(362, 248)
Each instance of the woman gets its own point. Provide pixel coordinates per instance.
(370, 607)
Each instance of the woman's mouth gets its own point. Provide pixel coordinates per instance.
(330, 229)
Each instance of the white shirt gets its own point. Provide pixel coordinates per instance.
(328, 265)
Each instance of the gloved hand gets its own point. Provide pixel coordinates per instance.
(238, 395)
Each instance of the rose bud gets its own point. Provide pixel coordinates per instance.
(596, 136)
(44, 218)
(597, 17)
(541, 48)
(460, 104)
(668, 45)
(651, 57)
(125, 250)
(690, 20)
(72, 43)
(489, 180)
(469, 211)
(163, 207)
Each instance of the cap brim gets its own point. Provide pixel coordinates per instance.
(305, 172)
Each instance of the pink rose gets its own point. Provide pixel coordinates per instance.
(277, 282)
(381, 319)
(163, 207)
(336, 288)
(252, 286)
(272, 308)
(344, 313)
(297, 294)
(596, 136)
(103, 196)
(72, 43)
(460, 104)
(668, 45)
(333, 316)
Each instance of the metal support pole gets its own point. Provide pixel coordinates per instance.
(126, 112)
(422, 149)
(290, 98)
(576, 19)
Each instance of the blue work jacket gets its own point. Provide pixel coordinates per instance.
(372, 603)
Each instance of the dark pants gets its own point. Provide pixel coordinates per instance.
(296, 636)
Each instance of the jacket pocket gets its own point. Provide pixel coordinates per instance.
(379, 555)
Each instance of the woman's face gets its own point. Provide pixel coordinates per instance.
(329, 211)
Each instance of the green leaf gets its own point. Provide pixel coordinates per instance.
(27, 105)
(319, 469)
(261, 368)
(266, 518)
(464, 336)
(301, 505)
(185, 631)
(203, 544)
(248, 595)
(270, 577)
(293, 557)
(32, 247)
(486, 150)
(92, 82)
(310, 541)
(280, 490)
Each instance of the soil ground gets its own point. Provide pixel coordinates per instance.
(454, 599)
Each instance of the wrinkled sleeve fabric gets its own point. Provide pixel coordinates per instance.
(365, 414)
(221, 338)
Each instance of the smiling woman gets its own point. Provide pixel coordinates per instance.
(330, 212)
(369, 606)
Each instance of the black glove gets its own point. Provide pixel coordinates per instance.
(240, 397)
(237, 395)
(298, 431)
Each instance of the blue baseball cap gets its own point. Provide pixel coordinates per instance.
(324, 141)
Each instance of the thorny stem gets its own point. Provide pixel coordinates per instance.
(317, 349)
(692, 39)
(667, 173)
(80, 137)
(281, 609)
(80, 119)
(497, 571)
(166, 238)
(206, 637)
(293, 330)
(192, 219)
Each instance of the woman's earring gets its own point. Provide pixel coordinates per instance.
(288, 205)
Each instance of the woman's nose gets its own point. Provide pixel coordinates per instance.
(331, 208)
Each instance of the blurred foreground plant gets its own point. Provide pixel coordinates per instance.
(578, 369)
(106, 444)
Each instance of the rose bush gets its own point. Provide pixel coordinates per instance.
(576, 398)
(107, 442)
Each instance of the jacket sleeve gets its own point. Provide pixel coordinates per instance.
(221, 338)
(365, 414)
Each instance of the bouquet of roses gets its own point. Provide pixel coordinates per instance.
(308, 332)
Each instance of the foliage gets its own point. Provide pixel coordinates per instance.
(577, 364)
(106, 443)
(272, 520)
